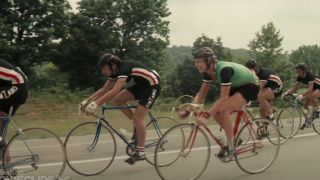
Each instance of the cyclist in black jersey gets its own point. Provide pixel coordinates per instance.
(238, 86)
(270, 87)
(146, 89)
(305, 77)
(13, 92)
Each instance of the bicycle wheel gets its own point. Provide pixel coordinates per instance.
(297, 118)
(36, 154)
(153, 135)
(316, 125)
(88, 152)
(258, 154)
(285, 123)
(184, 148)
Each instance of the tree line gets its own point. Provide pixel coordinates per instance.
(58, 48)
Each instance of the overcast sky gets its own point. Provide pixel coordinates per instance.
(237, 21)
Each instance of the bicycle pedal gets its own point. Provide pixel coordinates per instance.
(225, 159)
(129, 161)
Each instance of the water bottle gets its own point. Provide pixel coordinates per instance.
(124, 133)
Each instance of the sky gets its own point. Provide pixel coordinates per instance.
(237, 21)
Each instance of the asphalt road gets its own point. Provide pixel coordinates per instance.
(298, 159)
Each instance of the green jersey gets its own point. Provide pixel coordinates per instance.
(236, 75)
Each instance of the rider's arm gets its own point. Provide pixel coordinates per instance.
(199, 99)
(262, 83)
(294, 88)
(111, 93)
(310, 89)
(106, 87)
(225, 86)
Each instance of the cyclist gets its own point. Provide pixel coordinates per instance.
(146, 89)
(309, 97)
(270, 87)
(238, 86)
(13, 92)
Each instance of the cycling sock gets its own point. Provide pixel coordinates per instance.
(230, 144)
(140, 150)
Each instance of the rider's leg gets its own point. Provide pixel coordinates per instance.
(121, 100)
(138, 118)
(265, 98)
(222, 112)
(313, 99)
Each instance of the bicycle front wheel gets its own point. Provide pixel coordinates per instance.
(184, 148)
(35, 153)
(296, 117)
(286, 123)
(154, 133)
(91, 148)
(257, 154)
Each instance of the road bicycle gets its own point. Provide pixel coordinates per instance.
(185, 148)
(33, 153)
(280, 118)
(298, 115)
(95, 142)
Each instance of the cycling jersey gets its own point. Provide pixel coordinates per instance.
(146, 86)
(232, 74)
(269, 76)
(309, 78)
(140, 74)
(10, 74)
(13, 87)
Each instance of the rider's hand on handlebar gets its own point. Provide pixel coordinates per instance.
(90, 108)
(183, 114)
(300, 98)
(284, 95)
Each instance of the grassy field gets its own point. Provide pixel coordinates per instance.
(61, 115)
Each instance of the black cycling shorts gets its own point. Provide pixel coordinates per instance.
(248, 91)
(275, 87)
(145, 95)
(13, 95)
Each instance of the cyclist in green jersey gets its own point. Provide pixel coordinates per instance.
(238, 86)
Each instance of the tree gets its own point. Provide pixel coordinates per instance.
(132, 29)
(266, 46)
(215, 45)
(309, 54)
(28, 29)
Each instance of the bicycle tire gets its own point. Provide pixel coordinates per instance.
(48, 157)
(176, 152)
(152, 136)
(285, 123)
(297, 118)
(250, 156)
(316, 125)
(79, 150)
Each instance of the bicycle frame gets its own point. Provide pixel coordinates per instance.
(102, 121)
(32, 158)
(241, 114)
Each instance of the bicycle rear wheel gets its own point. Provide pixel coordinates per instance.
(316, 125)
(286, 123)
(153, 135)
(36, 154)
(183, 152)
(258, 154)
(90, 150)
